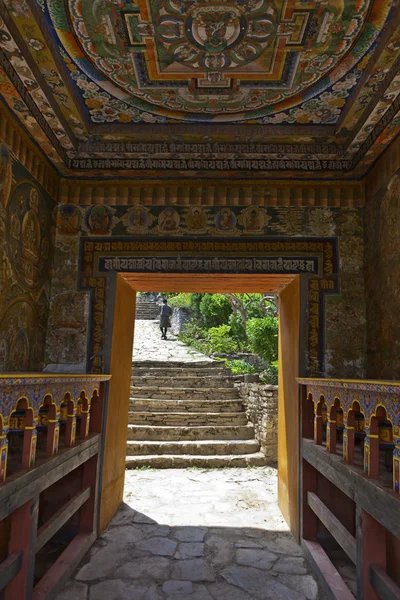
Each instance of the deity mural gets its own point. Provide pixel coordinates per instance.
(169, 220)
(5, 174)
(69, 219)
(197, 220)
(99, 220)
(253, 219)
(67, 311)
(28, 235)
(225, 222)
(138, 219)
(20, 330)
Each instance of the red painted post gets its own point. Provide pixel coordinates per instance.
(373, 551)
(331, 436)
(309, 518)
(23, 539)
(70, 430)
(29, 447)
(85, 419)
(53, 436)
(87, 512)
(3, 457)
(371, 455)
(318, 428)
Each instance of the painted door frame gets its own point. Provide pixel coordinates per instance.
(118, 357)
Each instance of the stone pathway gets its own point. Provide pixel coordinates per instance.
(184, 408)
(148, 345)
(196, 534)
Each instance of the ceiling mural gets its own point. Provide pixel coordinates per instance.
(225, 60)
(204, 88)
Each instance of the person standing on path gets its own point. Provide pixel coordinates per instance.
(166, 312)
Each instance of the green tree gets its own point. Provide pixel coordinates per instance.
(215, 310)
(263, 336)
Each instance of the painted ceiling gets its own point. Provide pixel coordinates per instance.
(204, 88)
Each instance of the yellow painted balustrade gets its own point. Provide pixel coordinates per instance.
(356, 413)
(41, 412)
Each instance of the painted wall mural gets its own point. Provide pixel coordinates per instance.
(26, 249)
(143, 237)
(382, 247)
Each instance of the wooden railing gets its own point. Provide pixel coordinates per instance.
(50, 428)
(357, 413)
(351, 481)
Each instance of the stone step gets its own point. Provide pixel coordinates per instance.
(195, 381)
(208, 432)
(199, 448)
(185, 419)
(177, 364)
(180, 372)
(181, 405)
(156, 393)
(182, 461)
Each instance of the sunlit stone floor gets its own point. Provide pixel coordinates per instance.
(196, 534)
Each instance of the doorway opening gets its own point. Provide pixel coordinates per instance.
(288, 289)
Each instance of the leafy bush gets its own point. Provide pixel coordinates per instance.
(263, 335)
(270, 374)
(180, 300)
(219, 340)
(215, 310)
(240, 367)
(238, 331)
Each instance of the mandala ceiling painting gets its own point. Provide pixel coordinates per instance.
(308, 75)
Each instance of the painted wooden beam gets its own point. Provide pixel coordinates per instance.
(329, 578)
(382, 584)
(334, 526)
(50, 528)
(9, 568)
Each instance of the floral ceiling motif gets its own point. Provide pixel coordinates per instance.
(224, 60)
(204, 87)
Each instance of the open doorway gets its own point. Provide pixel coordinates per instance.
(126, 286)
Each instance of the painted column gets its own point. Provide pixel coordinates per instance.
(3, 456)
(70, 431)
(53, 436)
(331, 436)
(85, 422)
(317, 428)
(29, 446)
(371, 454)
(373, 552)
(348, 444)
(396, 465)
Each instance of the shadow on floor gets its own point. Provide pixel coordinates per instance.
(137, 558)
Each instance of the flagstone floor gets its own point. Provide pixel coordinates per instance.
(148, 345)
(196, 534)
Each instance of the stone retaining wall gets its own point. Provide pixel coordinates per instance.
(261, 403)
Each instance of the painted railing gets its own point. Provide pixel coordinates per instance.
(363, 414)
(50, 438)
(350, 483)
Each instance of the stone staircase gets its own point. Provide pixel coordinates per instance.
(147, 311)
(188, 414)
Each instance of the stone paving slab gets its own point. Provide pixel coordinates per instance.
(196, 534)
(149, 346)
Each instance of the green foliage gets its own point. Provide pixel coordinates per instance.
(215, 310)
(238, 331)
(240, 367)
(219, 340)
(180, 300)
(195, 300)
(263, 335)
(270, 374)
